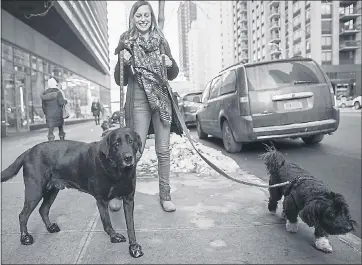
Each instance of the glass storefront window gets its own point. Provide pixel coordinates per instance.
(21, 57)
(6, 51)
(21, 68)
(40, 64)
(38, 86)
(79, 91)
(57, 71)
(34, 63)
(7, 64)
(45, 67)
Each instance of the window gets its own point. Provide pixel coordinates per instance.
(228, 82)
(307, 15)
(307, 29)
(296, 6)
(307, 44)
(296, 21)
(215, 87)
(326, 41)
(33, 62)
(6, 51)
(279, 74)
(206, 93)
(326, 56)
(326, 9)
(326, 26)
(21, 57)
(297, 34)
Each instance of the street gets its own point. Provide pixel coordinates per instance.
(336, 161)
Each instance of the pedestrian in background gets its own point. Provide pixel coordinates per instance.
(96, 109)
(148, 102)
(53, 102)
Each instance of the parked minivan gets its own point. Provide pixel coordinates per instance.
(289, 98)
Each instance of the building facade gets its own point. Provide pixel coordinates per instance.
(186, 13)
(327, 31)
(227, 33)
(241, 31)
(70, 43)
(205, 58)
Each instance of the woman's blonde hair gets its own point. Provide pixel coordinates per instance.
(132, 31)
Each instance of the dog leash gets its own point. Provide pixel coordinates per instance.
(184, 127)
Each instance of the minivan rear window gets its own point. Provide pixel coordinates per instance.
(280, 74)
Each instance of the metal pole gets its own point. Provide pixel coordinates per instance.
(121, 96)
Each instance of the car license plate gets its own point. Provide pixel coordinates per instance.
(293, 105)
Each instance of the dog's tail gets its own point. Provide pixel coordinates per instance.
(14, 168)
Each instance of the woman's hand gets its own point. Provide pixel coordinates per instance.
(126, 55)
(168, 61)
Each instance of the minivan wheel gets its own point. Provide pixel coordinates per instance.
(314, 139)
(231, 146)
(200, 133)
(356, 105)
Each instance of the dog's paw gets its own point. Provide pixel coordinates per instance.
(291, 227)
(322, 244)
(53, 228)
(26, 239)
(117, 238)
(135, 250)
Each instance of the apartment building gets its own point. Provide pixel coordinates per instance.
(186, 13)
(241, 30)
(327, 31)
(227, 33)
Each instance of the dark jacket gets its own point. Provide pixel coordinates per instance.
(96, 108)
(130, 82)
(52, 104)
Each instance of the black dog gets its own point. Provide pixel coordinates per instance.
(307, 197)
(104, 169)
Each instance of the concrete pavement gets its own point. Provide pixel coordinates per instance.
(216, 221)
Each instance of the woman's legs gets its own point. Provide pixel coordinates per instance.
(141, 123)
(162, 146)
(141, 115)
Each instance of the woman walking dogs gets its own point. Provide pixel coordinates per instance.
(148, 107)
(53, 102)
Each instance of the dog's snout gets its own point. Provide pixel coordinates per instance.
(128, 157)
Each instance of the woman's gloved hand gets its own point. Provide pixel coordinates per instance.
(168, 61)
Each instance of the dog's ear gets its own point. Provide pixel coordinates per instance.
(138, 142)
(338, 200)
(105, 144)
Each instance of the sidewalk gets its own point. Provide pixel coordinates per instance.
(216, 222)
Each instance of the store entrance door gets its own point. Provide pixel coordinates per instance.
(14, 103)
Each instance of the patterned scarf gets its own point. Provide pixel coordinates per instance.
(147, 55)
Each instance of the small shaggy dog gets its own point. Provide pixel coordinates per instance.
(307, 197)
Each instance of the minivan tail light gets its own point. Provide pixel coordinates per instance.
(334, 98)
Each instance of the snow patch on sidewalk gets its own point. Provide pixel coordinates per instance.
(185, 159)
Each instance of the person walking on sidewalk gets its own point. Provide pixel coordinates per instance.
(53, 102)
(96, 109)
(147, 101)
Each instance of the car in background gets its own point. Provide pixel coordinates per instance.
(188, 105)
(288, 98)
(356, 102)
(344, 102)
